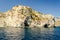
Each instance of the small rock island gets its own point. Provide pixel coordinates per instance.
(22, 16)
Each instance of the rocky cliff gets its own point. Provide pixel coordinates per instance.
(22, 16)
(57, 21)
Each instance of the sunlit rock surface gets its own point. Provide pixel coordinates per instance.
(22, 16)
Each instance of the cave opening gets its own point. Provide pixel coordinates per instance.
(46, 26)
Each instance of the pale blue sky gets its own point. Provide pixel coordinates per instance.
(44, 6)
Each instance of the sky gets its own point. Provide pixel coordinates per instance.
(43, 6)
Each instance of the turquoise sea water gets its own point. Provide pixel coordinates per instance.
(12, 33)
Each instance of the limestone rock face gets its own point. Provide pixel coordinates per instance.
(21, 16)
(57, 21)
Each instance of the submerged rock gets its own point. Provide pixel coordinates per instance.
(21, 16)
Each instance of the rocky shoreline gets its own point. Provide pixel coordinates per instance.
(22, 16)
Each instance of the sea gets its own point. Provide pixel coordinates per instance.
(35, 33)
